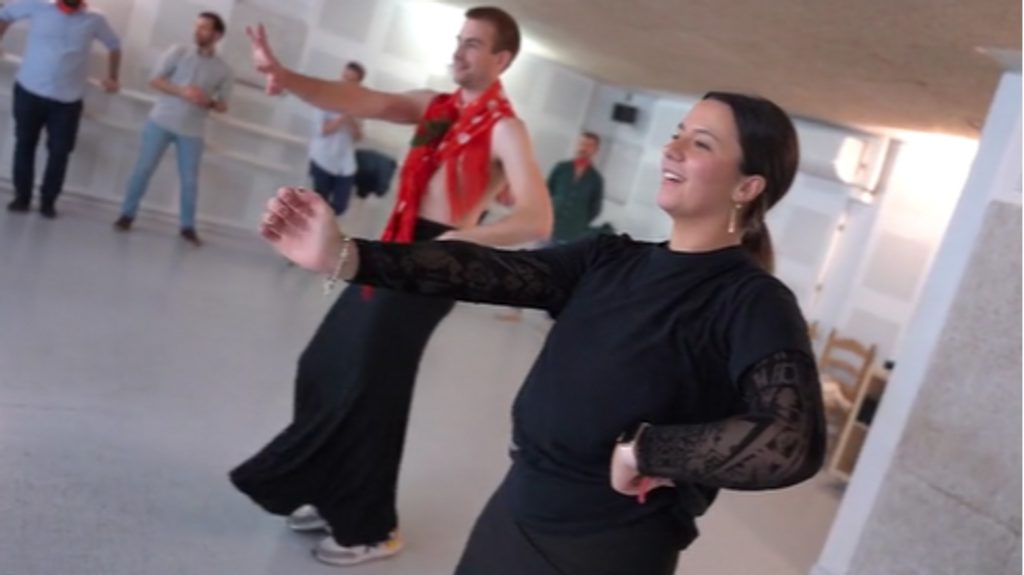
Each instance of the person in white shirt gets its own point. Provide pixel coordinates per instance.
(332, 152)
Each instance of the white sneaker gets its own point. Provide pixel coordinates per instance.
(305, 519)
(329, 552)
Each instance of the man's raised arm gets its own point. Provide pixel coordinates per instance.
(336, 95)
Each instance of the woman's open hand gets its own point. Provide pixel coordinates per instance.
(301, 227)
(626, 478)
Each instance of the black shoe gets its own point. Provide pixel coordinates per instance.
(48, 211)
(191, 237)
(123, 224)
(18, 206)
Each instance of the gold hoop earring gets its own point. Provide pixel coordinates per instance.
(734, 216)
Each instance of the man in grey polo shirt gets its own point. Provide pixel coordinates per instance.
(191, 81)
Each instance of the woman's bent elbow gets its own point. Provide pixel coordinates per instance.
(808, 463)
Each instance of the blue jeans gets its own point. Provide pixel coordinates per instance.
(155, 140)
(335, 189)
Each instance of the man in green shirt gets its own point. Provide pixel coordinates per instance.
(577, 194)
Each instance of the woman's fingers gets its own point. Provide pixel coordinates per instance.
(656, 482)
(291, 208)
(290, 211)
(297, 200)
(270, 233)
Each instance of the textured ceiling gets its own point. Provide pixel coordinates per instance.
(901, 64)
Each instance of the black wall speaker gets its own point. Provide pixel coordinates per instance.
(624, 113)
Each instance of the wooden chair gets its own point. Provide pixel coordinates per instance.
(844, 366)
(854, 432)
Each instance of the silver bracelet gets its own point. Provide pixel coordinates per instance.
(332, 280)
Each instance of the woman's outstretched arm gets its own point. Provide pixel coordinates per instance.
(301, 226)
(542, 279)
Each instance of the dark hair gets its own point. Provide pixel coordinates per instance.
(216, 20)
(357, 68)
(592, 136)
(771, 150)
(506, 31)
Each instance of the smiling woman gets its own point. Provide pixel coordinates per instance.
(701, 188)
(697, 375)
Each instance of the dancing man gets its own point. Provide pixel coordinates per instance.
(336, 465)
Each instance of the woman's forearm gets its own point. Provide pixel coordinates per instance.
(459, 270)
(779, 442)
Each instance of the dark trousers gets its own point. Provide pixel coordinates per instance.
(342, 452)
(335, 189)
(500, 545)
(33, 113)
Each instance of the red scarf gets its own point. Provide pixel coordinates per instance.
(456, 139)
(69, 10)
(453, 137)
(581, 165)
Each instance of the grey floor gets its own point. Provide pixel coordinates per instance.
(135, 371)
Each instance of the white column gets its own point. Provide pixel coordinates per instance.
(995, 174)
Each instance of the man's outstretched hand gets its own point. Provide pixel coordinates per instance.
(264, 59)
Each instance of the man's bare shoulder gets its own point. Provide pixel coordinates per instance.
(509, 132)
(510, 125)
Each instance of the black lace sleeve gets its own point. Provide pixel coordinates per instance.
(542, 279)
(778, 442)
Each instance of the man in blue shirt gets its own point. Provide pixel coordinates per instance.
(191, 81)
(332, 151)
(49, 88)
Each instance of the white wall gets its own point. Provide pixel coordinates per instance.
(630, 157)
(263, 143)
(994, 178)
(886, 254)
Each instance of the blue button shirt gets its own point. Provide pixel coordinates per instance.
(56, 60)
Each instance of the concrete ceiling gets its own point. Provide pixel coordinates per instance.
(900, 64)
